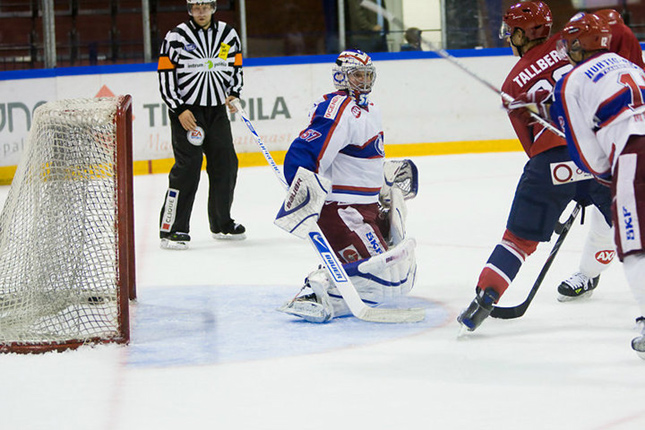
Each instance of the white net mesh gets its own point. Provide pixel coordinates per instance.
(58, 269)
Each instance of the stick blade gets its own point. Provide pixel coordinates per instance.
(410, 315)
(509, 313)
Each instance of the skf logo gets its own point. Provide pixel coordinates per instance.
(605, 257)
(374, 243)
(628, 224)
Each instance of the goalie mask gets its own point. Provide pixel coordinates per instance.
(191, 3)
(355, 73)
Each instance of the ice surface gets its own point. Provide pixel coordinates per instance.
(209, 351)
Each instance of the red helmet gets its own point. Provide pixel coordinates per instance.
(585, 32)
(533, 17)
(610, 15)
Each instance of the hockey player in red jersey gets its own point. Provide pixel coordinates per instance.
(623, 40)
(540, 198)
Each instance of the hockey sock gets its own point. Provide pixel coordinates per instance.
(504, 262)
(634, 267)
(598, 251)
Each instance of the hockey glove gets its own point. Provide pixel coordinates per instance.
(528, 104)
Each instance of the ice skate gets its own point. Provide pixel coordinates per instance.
(577, 286)
(479, 309)
(638, 343)
(233, 231)
(176, 240)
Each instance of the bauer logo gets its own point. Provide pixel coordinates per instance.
(330, 260)
(605, 257)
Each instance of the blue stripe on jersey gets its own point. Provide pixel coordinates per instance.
(356, 191)
(371, 149)
(558, 114)
(505, 261)
(307, 149)
(616, 105)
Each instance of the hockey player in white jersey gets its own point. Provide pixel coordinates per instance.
(600, 105)
(363, 213)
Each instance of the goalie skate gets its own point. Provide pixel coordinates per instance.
(308, 308)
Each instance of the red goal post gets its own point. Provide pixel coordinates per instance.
(67, 261)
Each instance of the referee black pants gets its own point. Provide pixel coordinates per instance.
(183, 180)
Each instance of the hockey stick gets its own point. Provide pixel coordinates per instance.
(327, 256)
(519, 310)
(367, 4)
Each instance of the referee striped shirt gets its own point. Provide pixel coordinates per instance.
(200, 67)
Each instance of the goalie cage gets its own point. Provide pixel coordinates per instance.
(67, 230)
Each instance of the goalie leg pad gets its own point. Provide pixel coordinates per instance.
(397, 214)
(385, 276)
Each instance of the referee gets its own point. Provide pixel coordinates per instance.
(200, 73)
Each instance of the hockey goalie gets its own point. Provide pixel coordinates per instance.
(340, 180)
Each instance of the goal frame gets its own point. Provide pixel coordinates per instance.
(124, 220)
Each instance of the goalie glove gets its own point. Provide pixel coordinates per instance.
(302, 205)
(400, 173)
(538, 102)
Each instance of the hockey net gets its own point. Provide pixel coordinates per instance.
(66, 230)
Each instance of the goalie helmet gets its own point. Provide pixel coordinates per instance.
(585, 32)
(190, 3)
(355, 73)
(532, 17)
(610, 15)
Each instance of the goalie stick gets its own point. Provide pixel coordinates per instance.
(327, 256)
(519, 310)
(446, 56)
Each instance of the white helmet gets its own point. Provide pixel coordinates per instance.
(189, 3)
(355, 73)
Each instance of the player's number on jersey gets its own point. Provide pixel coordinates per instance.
(628, 81)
